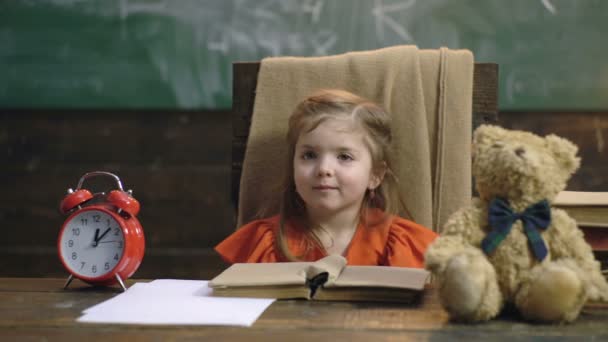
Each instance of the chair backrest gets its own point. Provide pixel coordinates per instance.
(245, 76)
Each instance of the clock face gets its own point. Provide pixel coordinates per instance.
(91, 243)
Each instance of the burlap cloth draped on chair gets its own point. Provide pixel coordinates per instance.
(428, 93)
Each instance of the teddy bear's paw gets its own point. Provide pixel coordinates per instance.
(597, 287)
(465, 287)
(600, 292)
(556, 294)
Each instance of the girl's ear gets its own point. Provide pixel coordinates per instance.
(377, 177)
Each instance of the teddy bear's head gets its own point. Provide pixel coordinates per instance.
(519, 166)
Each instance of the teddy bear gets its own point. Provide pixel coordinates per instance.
(509, 248)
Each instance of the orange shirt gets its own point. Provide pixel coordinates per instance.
(393, 242)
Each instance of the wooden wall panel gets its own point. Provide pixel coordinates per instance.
(49, 181)
(179, 166)
(174, 224)
(177, 163)
(142, 137)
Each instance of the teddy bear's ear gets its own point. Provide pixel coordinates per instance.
(564, 152)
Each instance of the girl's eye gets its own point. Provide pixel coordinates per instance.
(344, 157)
(308, 155)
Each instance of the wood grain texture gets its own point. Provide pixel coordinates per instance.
(182, 206)
(90, 136)
(33, 309)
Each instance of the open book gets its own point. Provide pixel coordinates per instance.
(325, 279)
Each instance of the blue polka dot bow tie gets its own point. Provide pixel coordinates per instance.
(501, 218)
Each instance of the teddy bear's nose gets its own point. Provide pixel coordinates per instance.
(520, 151)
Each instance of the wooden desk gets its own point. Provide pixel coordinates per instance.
(36, 309)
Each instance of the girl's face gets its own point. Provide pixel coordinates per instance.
(333, 168)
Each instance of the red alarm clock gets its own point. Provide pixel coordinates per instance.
(101, 242)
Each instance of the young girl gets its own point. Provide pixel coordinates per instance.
(339, 194)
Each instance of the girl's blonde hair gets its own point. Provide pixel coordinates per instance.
(375, 124)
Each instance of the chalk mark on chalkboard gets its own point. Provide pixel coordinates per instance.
(324, 47)
(314, 7)
(128, 8)
(265, 38)
(525, 84)
(220, 45)
(380, 13)
(549, 6)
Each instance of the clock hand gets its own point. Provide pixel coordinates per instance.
(103, 234)
(96, 238)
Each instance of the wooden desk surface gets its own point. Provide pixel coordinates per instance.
(36, 309)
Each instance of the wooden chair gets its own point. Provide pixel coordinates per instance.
(245, 76)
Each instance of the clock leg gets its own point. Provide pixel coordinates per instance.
(68, 281)
(122, 284)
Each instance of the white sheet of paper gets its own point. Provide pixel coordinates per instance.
(175, 302)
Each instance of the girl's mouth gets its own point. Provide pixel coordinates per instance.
(324, 187)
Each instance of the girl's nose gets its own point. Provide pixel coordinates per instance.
(324, 173)
(324, 168)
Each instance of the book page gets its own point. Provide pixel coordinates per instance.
(251, 274)
(368, 294)
(588, 216)
(332, 264)
(263, 291)
(381, 276)
(581, 198)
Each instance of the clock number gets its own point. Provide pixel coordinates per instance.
(108, 220)
(94, 269)
(71, 243)
(106, 266)
(84, 221)
(119, 244)
(116, 257)
(96, 218)
(116, 231)
(76, 231)
(74, 256)
(82, 264)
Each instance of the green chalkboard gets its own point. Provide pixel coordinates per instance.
(178, 53)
